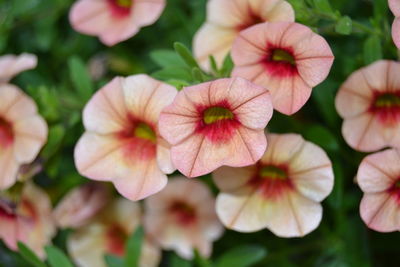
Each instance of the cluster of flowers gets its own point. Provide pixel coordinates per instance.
(139, 129)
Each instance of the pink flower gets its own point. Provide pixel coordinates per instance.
(121, 143)
(379, 178)
(80, 205)
(29, 220)
(286, 58)
(114, 21)
(226, 18)
(369, 103)
(107, 234)
(281, 192)
(394, 6)
(23, 132)
(11, 65)
(216, 123)
(182, 217)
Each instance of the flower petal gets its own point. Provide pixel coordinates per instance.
(106, 112)
(380, 211)
(394, 6)
(229, 179)
(9, 168)
(11, 65)
(164, 156)
(396, 32)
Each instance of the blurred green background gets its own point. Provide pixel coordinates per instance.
(358, 32)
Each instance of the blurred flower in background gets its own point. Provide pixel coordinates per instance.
(394, 6)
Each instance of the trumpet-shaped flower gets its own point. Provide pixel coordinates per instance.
(107, 234)
(287, 58)
(29, 220)
(226, 18)
(11, 65)
(281, 192)
(114, 21)
(394, 6)
(80, 205)
(23, 132)
(121, 143)
(369, 103)
(379, 178)
(182, 217)
(216, 123)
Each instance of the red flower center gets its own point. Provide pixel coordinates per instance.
(280, 62)
(120, 8)
(387, 107)
(140, 140)
(271, 180)
(116, 237)
(183, 213)
(6, 133)
(251, 20)
(217, 123)
(7, 211)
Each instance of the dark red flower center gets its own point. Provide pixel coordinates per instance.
(7, 210)
(116, 237)
(183, 213)
(387, 107)
(139, 139)
(271, 180)
(120, 8)
(217, 123)
(252, 19)
(280, 62)
(6, 133)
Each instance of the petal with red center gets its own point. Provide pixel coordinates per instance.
(212, 40)
(198, 155)
(146, 97)
(365, 133)
(396, 32)
(143, 179)
(228, 179)
(11, 65)
(378, 172)
(380, 211)
(30, 135)
(9, 228)
(9, 168)
(106, 112)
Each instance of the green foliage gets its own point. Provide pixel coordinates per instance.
(241, 256)
(133, 248)
(57, 258)
(29, 255)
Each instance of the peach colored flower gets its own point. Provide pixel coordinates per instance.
(226, 18)
(182, 217)
(11, 65)
(107, 234)
(121, 143)
(281, 192)
(286, 58)
(80, 205)
(394, 6)
(379, 178)
(23, 132)
(114, 21)
(29, 220)
(369, 103)
(216, 123)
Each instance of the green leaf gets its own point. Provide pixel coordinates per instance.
(372, 49)
(176, 73)
(57, 258)
(80, 78)
(133, 248)
(56, 135)
(213, 64)
(323, 5)
(322, 137)
(197, 75)
(186, 55)
(242, 256)
(167, 58)
(200, 261)
(344, 25)
(29, 255)
(113, 261)
(176, 261)
(227, 66)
